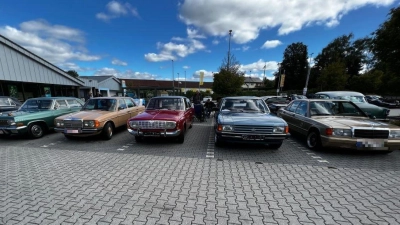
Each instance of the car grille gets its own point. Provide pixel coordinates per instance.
(72, 123)
(152, 124)
(371, 133)
(3, 123)
(253, 129)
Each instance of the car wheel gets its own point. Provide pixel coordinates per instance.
(313, 140)
(275, 146)
(108, 130)
(138, 139)
(181, 137)
(35, 130)
(217, 140)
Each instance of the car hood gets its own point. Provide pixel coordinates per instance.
(159, 115)
(239, 118)
(339, 122)
(85, 115)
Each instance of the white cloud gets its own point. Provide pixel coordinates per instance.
(215, 42)
(125, 74)
(207, 74)
(192, 33)
(248, 18)
(186, 67)
(259, 66)
(119, 62)
(116, 9)
(271, 44)
(51, 42)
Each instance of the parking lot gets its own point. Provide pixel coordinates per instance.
(54, 180)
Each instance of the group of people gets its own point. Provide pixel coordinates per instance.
(90, 95)
(208, 105)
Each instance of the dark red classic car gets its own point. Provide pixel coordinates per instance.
(164, 117)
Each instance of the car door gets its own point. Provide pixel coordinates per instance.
(133, 108)
(123, 112)
(288, 114)
(300, 119)
(189, 111)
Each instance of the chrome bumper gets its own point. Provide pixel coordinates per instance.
(241, 136)
(78, 131)
(360, 143)
(13, 130)
(158, 133)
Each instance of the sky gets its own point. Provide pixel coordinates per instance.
(179, 39)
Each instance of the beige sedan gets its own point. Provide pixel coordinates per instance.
(339, 124)
(99, 116)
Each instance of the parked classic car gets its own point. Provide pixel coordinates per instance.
(373, 111)
(340, 124)
(379, 101)
(275, 102)
(164, 117)
(9, 104)
(100, 115)
(36, 115)
(247, 119)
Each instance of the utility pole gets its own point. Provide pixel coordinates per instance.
(229, 49)
(308, 75)
(173, 78)
(279, 79)
(178, 84)
(185, 82)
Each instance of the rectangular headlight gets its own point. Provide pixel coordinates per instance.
(341, 132)
(170, 125)
(88, 123)
(278, 130)
(11, 122)
(227, 128)
(394, 134)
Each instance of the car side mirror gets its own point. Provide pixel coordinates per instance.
(121, 108)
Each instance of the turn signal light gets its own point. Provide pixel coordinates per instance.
(96, 123)
(219, 128)
(329, 131)
(286, 130)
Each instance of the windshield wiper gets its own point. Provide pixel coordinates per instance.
(322, 114)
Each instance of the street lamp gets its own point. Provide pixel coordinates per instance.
(185, 81)
(173, 78)
(178, 82)
(279, 79)
(308, 75)
(229, 48)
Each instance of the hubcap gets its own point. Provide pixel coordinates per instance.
(36, 130)
(312, 140)
(109, 131)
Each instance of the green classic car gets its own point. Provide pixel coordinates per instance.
(36, 115)
(373, 111)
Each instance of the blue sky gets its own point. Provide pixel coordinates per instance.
(139, 39)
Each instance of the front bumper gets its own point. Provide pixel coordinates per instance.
(361, 143)
(13, 130)
(79, 131)
(154, 133)
(251, 138)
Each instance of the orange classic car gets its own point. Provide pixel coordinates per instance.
(99, 116)
(166, 116)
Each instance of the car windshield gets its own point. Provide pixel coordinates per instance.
(166, 104)
(37, 105)
(5, 102)
(334, 108)
(100, 104)
(355, 99)
(244, 105)
(276, 100)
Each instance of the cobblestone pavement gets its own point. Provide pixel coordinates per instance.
(89, 181)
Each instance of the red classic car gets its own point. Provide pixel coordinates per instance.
(166, 116)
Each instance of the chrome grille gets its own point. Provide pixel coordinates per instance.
(3, 123)
(253, 129)
(151, 124)
(371, 133)
(72, 123)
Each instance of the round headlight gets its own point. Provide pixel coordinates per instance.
(134, 124)
(227, 128)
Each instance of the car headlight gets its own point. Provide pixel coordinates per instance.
(227, 128)
(278, 130)
(134, 124)
(341, 132)
(170, 125)
(394, 134)
(11, 122)
(59, 123)
(89, 123)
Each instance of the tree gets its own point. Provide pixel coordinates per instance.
(269, 84)
(229, 80)
(73, 73)
(333, 77)
(294, 66)
(367, 83)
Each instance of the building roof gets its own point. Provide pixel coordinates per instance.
(135, 83)
(252, 80)
(100, 79)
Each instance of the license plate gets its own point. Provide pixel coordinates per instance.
(252, 137)
(72, 131)
(374, 143)
(1, 132)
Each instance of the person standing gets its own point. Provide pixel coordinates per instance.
(197, 98)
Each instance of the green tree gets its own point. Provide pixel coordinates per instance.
(367, 83)
(269, 84)
(229, 80)
(333, 77)
(73, 73)
(294, 66)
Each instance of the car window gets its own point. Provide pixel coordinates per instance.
(5, 102)
(244, 105)
(73, 103)
(166, 104)
(61, 104)
(188, 104)
(121, 104)
(293, 106)
(302, 108)
(130, 103)
(37, 104)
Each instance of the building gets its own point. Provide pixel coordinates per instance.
(107, 85)
(25, 75)
(252, 82)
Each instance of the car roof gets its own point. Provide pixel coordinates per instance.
(340, 93)
(322, 100)
(242, 97)
(51, 98)
(174, 96)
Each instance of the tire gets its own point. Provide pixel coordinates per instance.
(138, 139)
(35, 130)
(275, 146)
(108, 130)
(217, 140)
(181, 137)
(314, 140)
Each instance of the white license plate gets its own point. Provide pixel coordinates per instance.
(72, 131)
(370, 143)
(1, 132)
(252, 137)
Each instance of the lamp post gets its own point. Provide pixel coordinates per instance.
(173, 78)
(178, 83)
(229, 48)
(279, 79)
(308, 75)
(185, 82)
